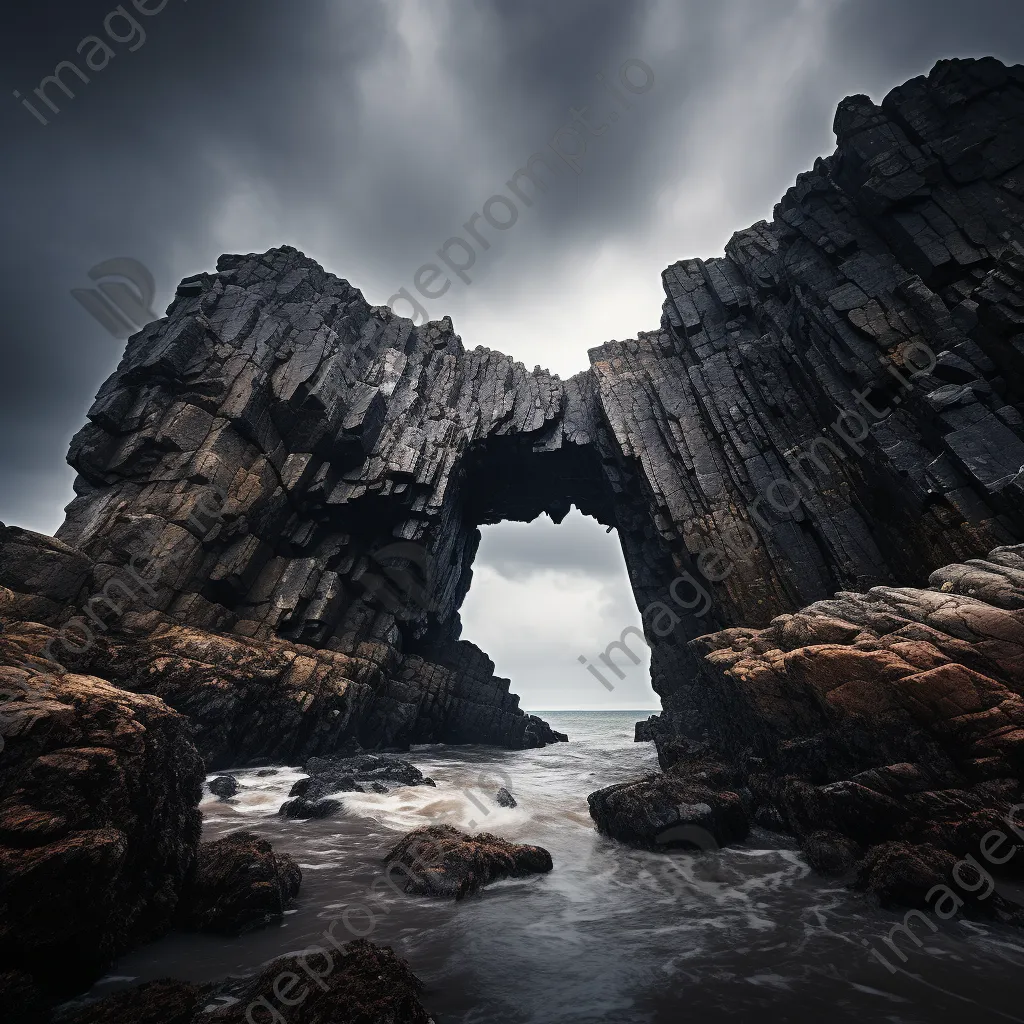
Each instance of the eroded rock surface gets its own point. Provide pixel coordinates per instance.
(442, 861)
(98, 820)
(885, 728)
(671, 809)
(360, 774)
(833, 405)
(238, 884)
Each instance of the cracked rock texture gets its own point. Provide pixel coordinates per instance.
(99, 822)
(833, 405)
(280, 489)
(238, 884)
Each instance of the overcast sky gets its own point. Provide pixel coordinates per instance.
(366, 132)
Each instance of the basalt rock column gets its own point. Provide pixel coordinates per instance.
(837, 403)
(832, 405)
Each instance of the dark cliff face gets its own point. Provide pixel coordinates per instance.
(831, 406)
(280, 491)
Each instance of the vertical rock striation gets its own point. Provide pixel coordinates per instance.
(834, 404)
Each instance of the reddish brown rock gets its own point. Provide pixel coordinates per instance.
(238, 884)
(672, 809)
(360, 984)
(280, 491)
(98, 818)
(891, 719)
(442, 861)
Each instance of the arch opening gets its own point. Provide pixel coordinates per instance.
(544, 595)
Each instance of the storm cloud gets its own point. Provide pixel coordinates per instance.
(365, 133)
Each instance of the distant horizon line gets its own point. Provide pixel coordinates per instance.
(598, 710)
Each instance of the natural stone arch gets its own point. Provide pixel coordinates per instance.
(336, 429)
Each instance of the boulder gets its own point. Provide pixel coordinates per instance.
(44, 573)
(300, 807)
(165, 1001)
(238, 884)
(442, 861)
(224, 786)
(99, 822)
(505, 799)
(359, 983)
(669, 809)
(901, 875)
(830, 853)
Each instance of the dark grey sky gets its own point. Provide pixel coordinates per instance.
(365, 132)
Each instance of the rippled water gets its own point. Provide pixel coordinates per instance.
(612, 934)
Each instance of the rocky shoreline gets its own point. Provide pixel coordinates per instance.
(866, 726)
(814, 467)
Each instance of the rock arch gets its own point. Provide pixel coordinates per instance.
(784, 399)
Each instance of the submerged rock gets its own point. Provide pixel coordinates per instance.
(224, 786)
(239, 884)
(442, 861)
(505, 799)
(360, 773)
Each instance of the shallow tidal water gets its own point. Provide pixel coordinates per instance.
(611, 934)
